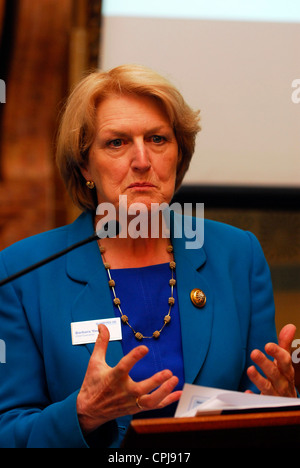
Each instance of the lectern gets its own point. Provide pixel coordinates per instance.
(251, 430)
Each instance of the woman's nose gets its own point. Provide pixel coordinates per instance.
(140, 157)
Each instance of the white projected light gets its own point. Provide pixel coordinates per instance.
(235, 60)
(249, 10)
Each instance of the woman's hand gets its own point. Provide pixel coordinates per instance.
(108, 393)
(279, 374)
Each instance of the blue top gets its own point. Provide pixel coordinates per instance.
(144, 294)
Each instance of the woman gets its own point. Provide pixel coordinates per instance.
(128, 133)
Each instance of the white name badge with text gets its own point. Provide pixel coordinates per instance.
(87, 332)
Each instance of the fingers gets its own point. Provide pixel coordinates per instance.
(122, 369)
(279, 374)
(263, 385)
(148, 385)
(101, 342)
(282, 358)
(269, 384)
(154, 392)
(286, 337)
(125, 365)
(162, 396)
(172, 398)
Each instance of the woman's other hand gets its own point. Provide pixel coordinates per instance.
(108, 393)
(279, 377)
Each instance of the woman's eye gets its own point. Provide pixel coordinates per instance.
(158, 139)
(116, 143)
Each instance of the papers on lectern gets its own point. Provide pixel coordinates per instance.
(199, 401)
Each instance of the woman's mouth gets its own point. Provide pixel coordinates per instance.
(141, 185)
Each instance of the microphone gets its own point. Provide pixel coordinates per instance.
(112, 227)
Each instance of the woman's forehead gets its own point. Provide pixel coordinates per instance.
(121, 113)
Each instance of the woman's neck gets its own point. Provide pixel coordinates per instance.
(142, 248)
(135, 253)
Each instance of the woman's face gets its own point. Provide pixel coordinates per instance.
(135, 152)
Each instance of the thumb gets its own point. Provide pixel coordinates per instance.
(101, 342)
(286, 337)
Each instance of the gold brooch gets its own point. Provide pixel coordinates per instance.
(198, 298)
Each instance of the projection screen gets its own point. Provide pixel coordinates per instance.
(236, 61)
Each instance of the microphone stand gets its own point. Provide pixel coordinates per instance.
(95, 236)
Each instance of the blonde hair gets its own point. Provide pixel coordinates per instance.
(78, 125)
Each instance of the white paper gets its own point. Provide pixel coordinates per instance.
(87, 332)
(197, 400)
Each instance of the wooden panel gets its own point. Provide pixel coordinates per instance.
(2, 5)
(54, 43)
(37, 83)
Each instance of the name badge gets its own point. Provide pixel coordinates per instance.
(87, 332)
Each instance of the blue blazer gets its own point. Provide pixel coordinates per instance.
(43, 372)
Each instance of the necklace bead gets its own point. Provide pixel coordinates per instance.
(138, 336)
(117, 302)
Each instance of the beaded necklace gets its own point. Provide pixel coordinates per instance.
(125, 320)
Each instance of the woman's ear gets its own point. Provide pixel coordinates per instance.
(85, 172)
(179, 158)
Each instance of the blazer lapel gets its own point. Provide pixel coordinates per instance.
(94, 302)
(196, 324)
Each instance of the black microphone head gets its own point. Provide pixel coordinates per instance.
(109, 229)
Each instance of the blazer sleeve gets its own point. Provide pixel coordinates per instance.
(261, 328)
(27, 417)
